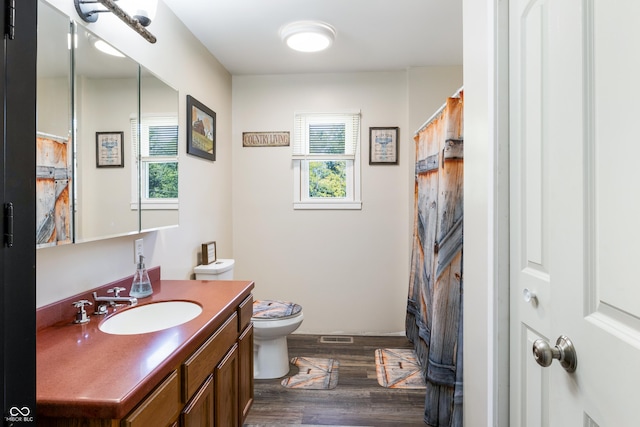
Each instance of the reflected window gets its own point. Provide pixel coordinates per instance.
(158, 161)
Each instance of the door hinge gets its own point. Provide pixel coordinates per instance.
(10, 19)
(8, 224)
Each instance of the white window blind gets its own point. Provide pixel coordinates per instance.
(326, 135)
(159, 136)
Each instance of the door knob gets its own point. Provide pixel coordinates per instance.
(530, 297)
(564, 351)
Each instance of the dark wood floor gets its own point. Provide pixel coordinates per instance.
(358, 400)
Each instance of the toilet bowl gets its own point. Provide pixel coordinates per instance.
(272, 321)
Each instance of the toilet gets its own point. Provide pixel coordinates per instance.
(272, 321)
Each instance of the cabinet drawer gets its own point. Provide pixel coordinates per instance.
(163, 404)
(245, 311)
(201, 363)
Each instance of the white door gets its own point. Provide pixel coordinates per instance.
(575, 209)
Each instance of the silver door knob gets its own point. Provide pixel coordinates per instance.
(564, 351)
(530, 297)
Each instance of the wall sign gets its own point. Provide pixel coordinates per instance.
(265, 139)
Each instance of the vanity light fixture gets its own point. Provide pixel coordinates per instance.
(308, 36)
(142, 16)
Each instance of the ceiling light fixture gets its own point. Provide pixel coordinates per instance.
(103, 46)
(308, 36)
(143, 13)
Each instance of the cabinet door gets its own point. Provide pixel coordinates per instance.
(199, 412)
(161, 408)
(245, 372)
(226, 390)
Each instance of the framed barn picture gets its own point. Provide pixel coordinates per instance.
(201, 129)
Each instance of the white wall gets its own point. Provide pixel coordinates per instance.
(205, 187)
(348, 269)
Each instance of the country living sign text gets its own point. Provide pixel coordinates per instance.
(265, 139)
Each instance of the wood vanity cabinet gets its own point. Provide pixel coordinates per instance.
(226, 362)
(212, 387)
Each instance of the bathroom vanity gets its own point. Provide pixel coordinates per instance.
(199, 373)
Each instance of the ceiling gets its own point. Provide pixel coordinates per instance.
(371, 35)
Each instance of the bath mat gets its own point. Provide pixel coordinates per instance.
(313, 374)
(398, 368)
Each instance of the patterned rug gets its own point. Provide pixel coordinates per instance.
(313, 374)
(398, 368)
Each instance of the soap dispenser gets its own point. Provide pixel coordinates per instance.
(141, 286)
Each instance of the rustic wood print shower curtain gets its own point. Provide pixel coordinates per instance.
(434, 309)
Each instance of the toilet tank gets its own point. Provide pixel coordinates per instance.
(221, 269)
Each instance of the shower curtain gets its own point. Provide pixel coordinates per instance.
(434, 308)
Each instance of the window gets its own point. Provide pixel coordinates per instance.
(158, 161)
(326, 161)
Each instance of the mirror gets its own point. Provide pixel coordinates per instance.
(116, 173)
(54, 153)
(158, 153)
(106, 112)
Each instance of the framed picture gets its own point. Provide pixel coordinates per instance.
(383, 146)
(201, 129)
(109, 153)
(208, 253)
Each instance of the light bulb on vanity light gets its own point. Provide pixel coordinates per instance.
(142, 10)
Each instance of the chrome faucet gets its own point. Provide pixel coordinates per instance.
(112, 300)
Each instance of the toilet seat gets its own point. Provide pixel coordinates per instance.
(266, 310)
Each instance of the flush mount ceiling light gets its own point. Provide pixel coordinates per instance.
(308, 36)
(103, 46)
(142, 12)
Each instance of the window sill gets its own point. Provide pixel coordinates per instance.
(156, 206)
(308, 205)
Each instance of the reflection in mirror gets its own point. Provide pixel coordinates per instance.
(54, 151)
(106, 111)
(158, 153)
(116, 172)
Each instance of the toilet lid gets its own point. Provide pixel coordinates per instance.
(273, 310)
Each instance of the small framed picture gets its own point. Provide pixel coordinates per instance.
(383, 146)
(201, 129)
(208, 253)
(109, 152)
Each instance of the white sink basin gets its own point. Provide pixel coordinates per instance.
(150, 317)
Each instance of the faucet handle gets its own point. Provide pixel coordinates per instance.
(80, 304)
(81, 315)
(115, 291)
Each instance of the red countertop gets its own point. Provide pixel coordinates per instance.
(83, 372)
